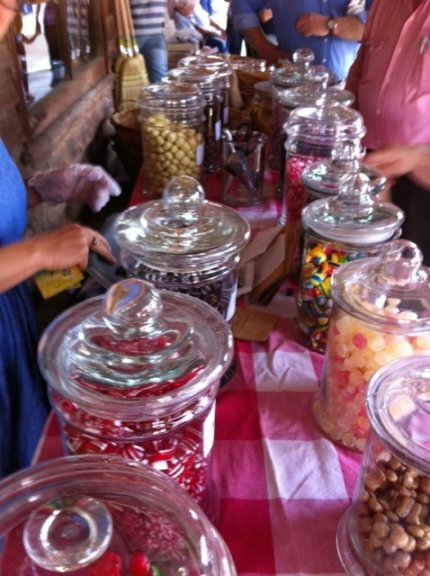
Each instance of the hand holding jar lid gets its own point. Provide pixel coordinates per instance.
(104, 516)
(386, 531)
(338, 229)
(135, 373)
(381, 312)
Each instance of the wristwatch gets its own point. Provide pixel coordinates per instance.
(331, 25)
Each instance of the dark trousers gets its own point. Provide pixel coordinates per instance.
(415, 203)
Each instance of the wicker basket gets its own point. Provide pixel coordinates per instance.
(128, 140)
(249, 72)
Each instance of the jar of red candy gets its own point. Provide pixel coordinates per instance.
(386, 530)
(224, 70)
(381, 312)
(135, 373)
(104, 516)
(172, 133)
(338, 229)
(210, 83)
(185, 243)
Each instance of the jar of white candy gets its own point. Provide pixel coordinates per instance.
(172, 133)
(386, 531)
(381, 312)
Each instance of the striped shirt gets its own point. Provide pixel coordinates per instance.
(148, 16)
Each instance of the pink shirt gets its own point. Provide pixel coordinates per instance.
(391, 75)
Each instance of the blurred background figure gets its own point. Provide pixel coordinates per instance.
(190, 14)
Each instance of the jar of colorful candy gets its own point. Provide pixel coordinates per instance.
(386, 530)
(338, 229)
(224, 70)
(381, 311)
(185, 243)
(135, 373)
(210, 83)
(172, 133)
(103, 516)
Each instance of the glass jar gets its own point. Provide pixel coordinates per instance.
(338, 229)
(381, 311)
(386, 530)
(300, 70)
(323, 178)
(261, 111)
(185, 243)
(172, 133)
(209, 83)
(224, 70)
(135, 373)
(103, 516)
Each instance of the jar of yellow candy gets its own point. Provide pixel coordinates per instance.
(338, 229)
(381, 312)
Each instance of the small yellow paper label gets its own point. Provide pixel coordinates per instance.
(52, 283)
(254, 325)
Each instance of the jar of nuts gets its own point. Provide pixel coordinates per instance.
(386, 531)
(185, 243)
(381, 312)
(209, 82)
(172, 117)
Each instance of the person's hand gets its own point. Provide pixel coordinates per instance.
(396, 160)
(70, 246)
(82, 183)
(312, 24)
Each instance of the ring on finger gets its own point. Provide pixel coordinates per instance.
(94, 242)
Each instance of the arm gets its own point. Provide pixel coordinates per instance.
(69, 246)
(399, 160)
(265, 49)
(346, 27)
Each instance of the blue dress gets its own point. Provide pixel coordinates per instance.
(23, 402)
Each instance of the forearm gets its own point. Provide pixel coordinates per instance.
(18, 262)
(265, 49)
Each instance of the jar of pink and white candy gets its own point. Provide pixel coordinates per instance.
(135, 373)
(339, 229)
(381, 312)
(386, 530)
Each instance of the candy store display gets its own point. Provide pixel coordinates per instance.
(134, 373)
(386, 531)
(381, 312)
(338, 229)
(172, 134)
(185, 243)
(97, 515)
(210, 83)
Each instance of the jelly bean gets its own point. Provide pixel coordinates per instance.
(108, 565)
(139, 564)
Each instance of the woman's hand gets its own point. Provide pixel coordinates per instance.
(396, 161)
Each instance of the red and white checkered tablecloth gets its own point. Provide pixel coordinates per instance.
(282, 485)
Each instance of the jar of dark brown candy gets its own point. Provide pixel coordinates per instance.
(185, 243)
(104, 516)
(386, 531)
(135, 373)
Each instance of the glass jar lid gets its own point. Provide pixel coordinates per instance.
(206, 78)
(333, 119)
(313, 95)
(324, 178)
(183, 231)
(390, 291)
(353, 216)
(121, 352)
(299, 70)
(398, 405)
(175, 96)
(209, 61)
(96, 515)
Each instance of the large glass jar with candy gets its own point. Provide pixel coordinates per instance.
(386, 530)
(338, 229)
(135, 373)
(210, 83)
(172, 133)
(381, 312)
(99, 515)
(185, 243)
(220, 65)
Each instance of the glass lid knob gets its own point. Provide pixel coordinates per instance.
(400, 265)
(68, 534)
(303, 57)
(183, 197)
